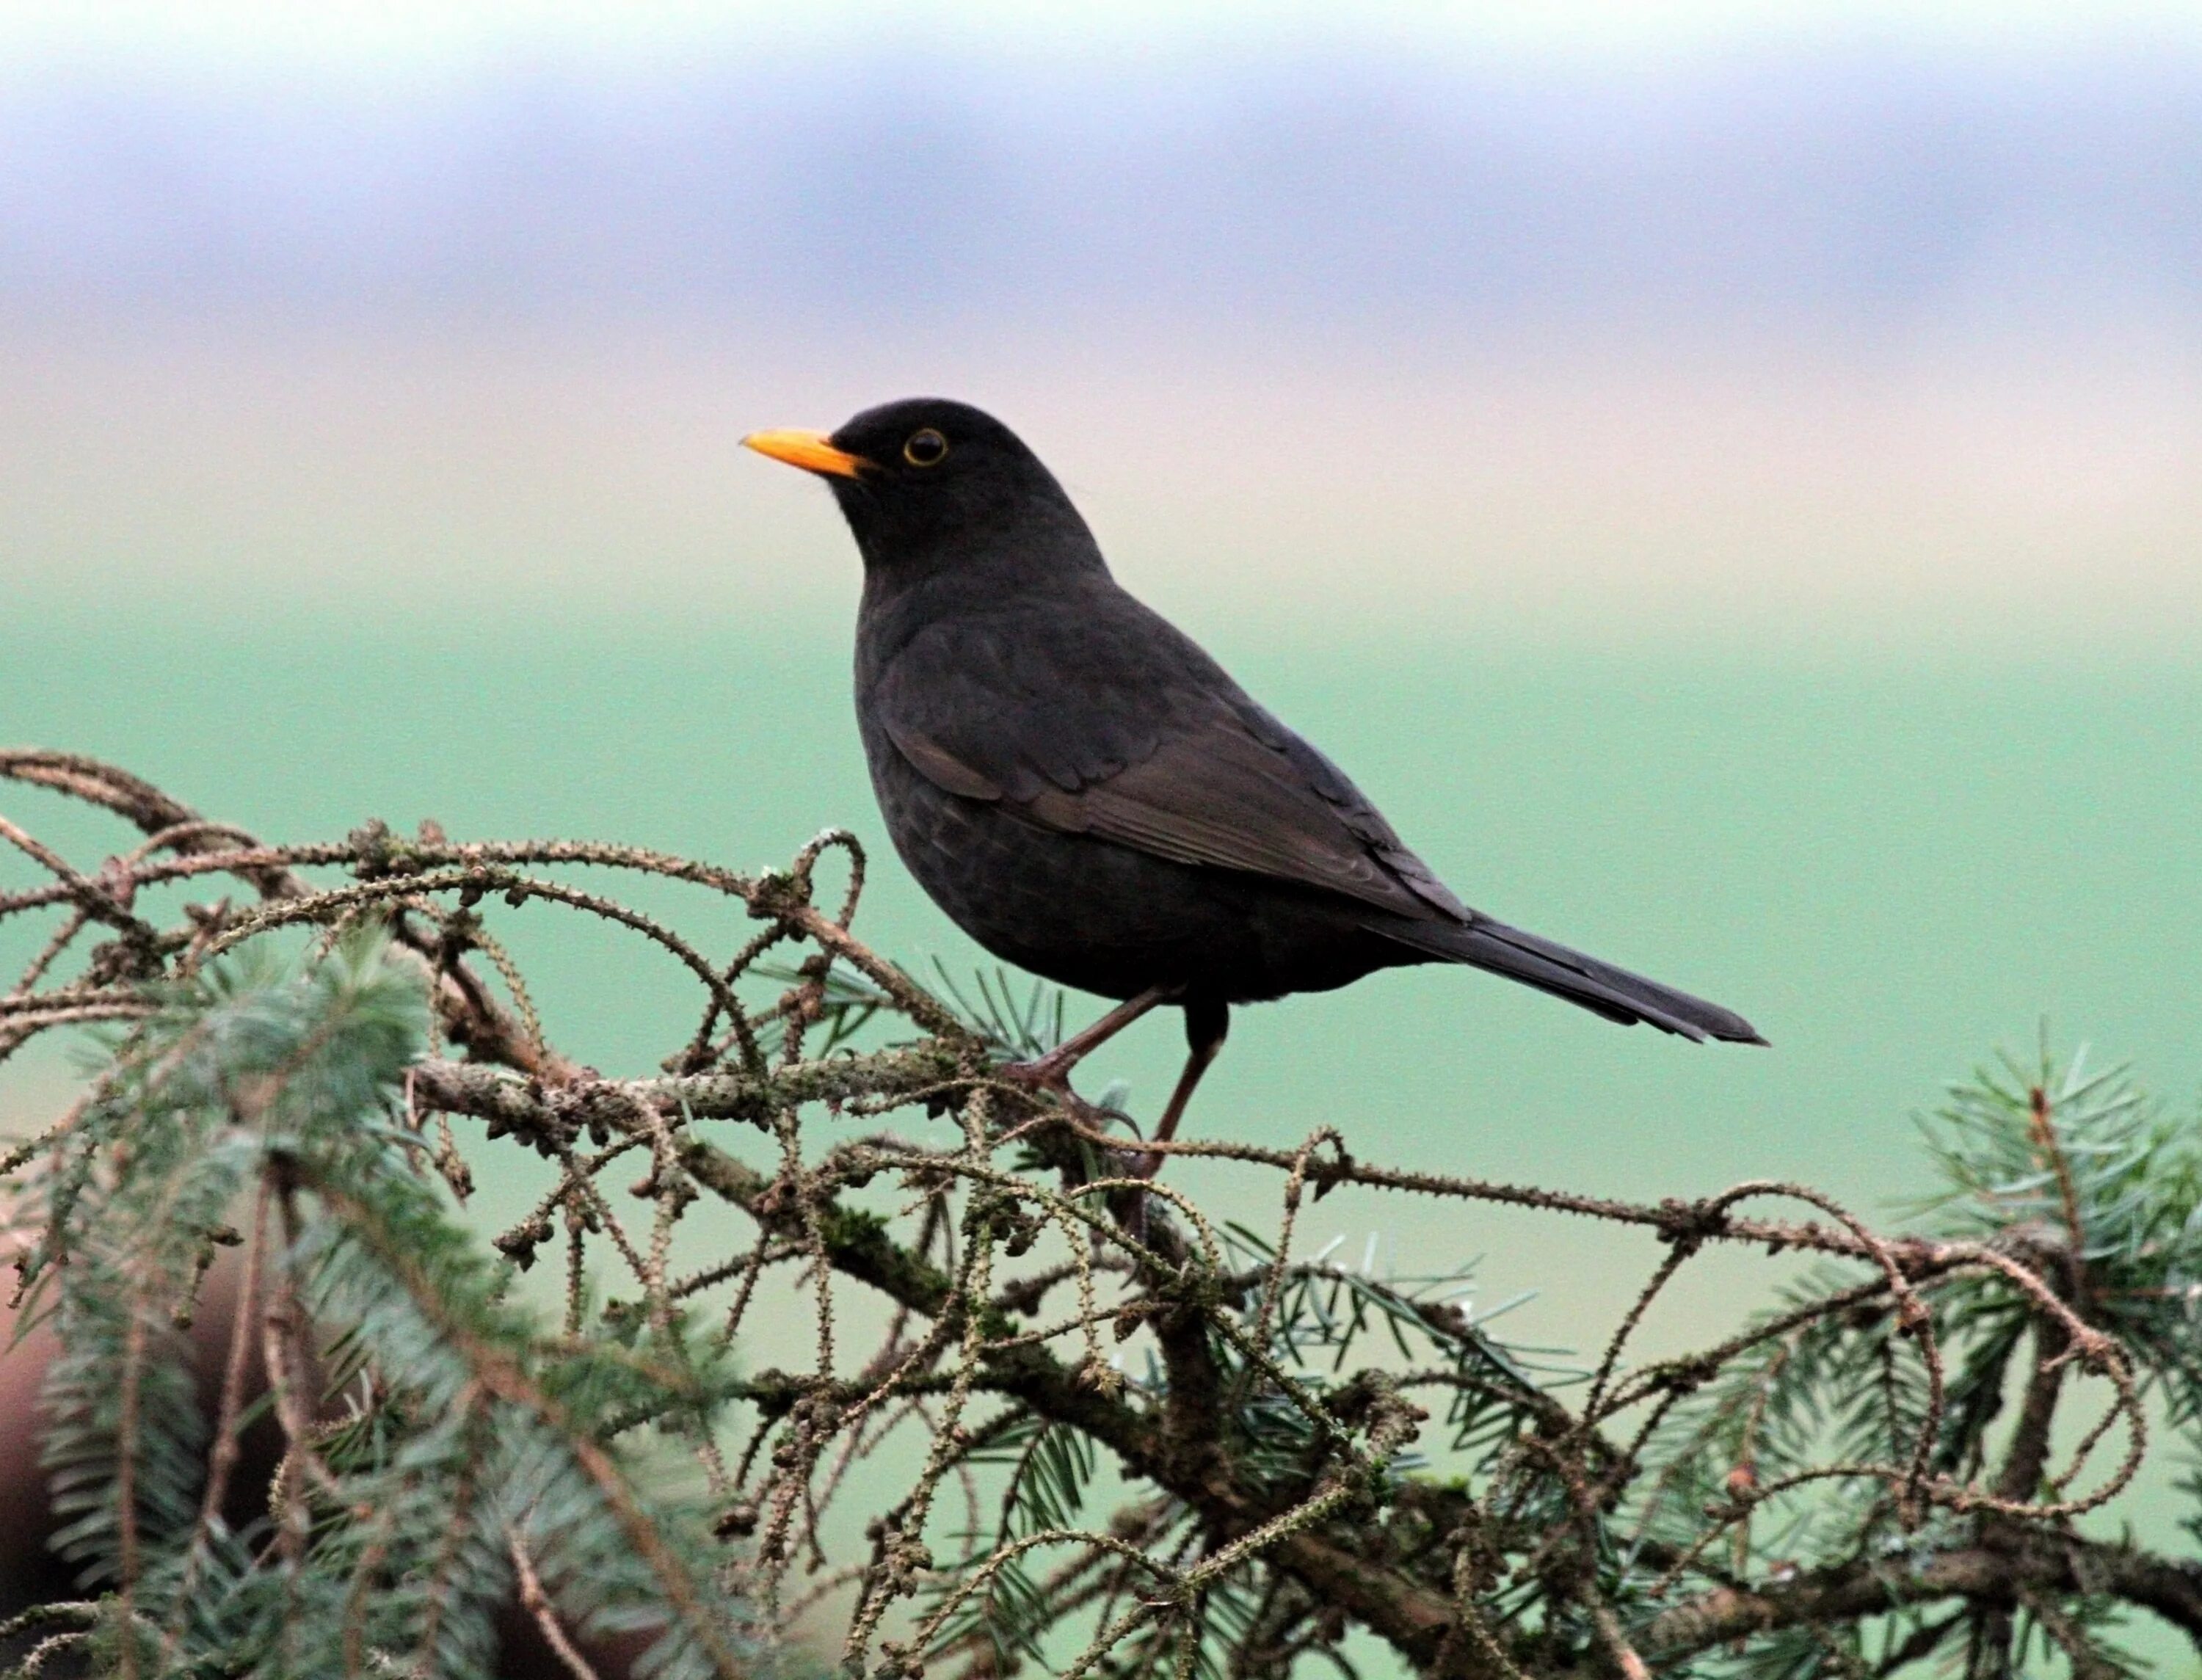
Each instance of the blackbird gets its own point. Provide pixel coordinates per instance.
(1091, 797)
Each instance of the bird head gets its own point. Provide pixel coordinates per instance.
(927, 482)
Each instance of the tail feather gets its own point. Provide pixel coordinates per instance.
(1614, 994)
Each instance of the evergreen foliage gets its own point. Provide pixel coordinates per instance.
(1125, 1439)
(439, 1435)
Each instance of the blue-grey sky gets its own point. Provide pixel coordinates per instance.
(1877, 170)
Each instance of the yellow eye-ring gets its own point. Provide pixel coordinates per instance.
(925, 448)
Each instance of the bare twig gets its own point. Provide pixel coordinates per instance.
(1265, 1449)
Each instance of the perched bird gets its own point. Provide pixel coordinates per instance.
(1092, 797)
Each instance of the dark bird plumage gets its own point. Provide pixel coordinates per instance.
(1090, 796)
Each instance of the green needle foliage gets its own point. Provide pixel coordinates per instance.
(2097, 1190)
(1049, 1417)
(440, 1441)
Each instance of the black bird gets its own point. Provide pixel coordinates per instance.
(1092, 797)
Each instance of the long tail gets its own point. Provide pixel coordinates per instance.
(1600, 987)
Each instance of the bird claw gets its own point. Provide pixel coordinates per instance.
(1134, 1162)
(1038, 1075)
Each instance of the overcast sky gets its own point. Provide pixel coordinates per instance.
(1855, 169)
(424, 31)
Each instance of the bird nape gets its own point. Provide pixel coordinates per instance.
(1091, 797)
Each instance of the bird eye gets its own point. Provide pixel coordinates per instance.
(926, 448)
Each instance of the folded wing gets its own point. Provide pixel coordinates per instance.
(1192, 770)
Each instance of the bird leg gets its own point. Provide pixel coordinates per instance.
(1206, 1023)
(1052, 1072)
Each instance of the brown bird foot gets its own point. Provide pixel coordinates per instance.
(1089, 1118)
(1055, 1081)
(1052, 1072)
(1044, 1074)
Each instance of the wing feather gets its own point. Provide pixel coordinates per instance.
(1197, 784)
(1114, 724)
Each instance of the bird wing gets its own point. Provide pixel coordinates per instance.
(1128, 732)
(1179, 763)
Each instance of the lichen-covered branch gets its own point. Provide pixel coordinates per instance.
(1295, 1445)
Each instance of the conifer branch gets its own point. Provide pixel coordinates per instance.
(1298, 1445)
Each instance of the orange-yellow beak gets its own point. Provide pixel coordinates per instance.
(813, 452)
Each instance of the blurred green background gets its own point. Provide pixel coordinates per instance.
(1894, 864)
(1727, 481)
